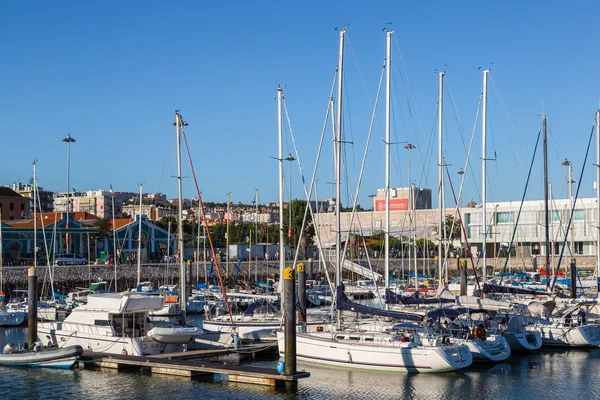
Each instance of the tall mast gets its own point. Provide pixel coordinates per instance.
(388, 83)
(440, 172)
(182, 281)
(484, 175)
(280, 158)
(597, 190)
(227, 235)
(139, 249)
(255, 237)
(338, 172)
(34, 216)
(546, 222)
(114, 226)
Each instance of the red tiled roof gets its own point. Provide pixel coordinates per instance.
(121, 222)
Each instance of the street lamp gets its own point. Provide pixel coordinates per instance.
(68, 140)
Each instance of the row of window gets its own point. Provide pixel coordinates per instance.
(508, 217)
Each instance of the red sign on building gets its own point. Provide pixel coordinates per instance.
(395, 205)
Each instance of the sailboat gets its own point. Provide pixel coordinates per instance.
(371, 349)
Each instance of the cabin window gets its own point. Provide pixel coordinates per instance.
(340, 337)
(369, 339)
(354, 337)
(101, 322)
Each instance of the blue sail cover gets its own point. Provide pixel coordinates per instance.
(342, 303)
(489, 288)
(393, 298)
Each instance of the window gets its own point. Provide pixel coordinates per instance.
(535, 249)
(12, 206)
(394, 223)
(22, 206)
(555, 216)
(578, 247)
(504, 218)
(578, 215)
(378, 224)
(467, 219)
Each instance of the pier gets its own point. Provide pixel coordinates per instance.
(186, 364)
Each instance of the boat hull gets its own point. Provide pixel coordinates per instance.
(322, 350)
(492, 350)
(62, 358)
(524, 341)
(577, 336)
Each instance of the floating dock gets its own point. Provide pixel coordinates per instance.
(178, 364)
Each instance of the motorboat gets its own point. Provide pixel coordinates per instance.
(62, 358)
(113, 323)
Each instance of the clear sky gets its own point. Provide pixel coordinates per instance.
(112, 73)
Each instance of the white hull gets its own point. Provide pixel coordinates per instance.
(493, 349)
(139, 346)
(523, 341)
(401, 357)
(249, 330)
(577, 336)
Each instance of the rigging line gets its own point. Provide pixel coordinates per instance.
(464, 233)
(587, 152)
(406, 84)
(512, 239)
(358, 69)
(212, 248)
(364, 160)
(313, 178)
(514, 130)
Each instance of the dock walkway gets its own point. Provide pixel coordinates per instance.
(174, 364)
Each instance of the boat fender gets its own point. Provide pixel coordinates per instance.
(9, 348)
(280, 366)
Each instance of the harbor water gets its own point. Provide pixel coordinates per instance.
(554, 374)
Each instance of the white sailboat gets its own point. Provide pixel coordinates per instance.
(357, 348)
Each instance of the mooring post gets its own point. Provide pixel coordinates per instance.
(289, 286)
(462, 266)
(302, 301)
(32, 305)
(573, 279)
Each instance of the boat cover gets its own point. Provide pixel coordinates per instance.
(342, 303)
(119, 303)
(489, 288)
(393, 298)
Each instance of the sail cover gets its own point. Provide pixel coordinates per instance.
(393, 298)
(342, 303)
(488, 288)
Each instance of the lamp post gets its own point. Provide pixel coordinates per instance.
(290, 158)
(570, 182)
(68, 140)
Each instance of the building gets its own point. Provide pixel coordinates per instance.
(97, 202)
(529, 234)
(13, 205)
(153, 213)
(400, 199)
(44, 198)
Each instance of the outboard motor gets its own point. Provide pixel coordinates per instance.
(9, 348)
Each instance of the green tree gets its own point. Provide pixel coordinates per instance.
(104, 228)
(452, 227)
(306, 237)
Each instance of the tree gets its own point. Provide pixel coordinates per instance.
(452, 227)
(306, 237)
(103, 226)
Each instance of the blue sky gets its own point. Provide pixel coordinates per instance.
(112, 73)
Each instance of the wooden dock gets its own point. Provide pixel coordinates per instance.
(173, 364)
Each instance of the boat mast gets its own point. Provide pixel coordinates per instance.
(182, 281)
(338, 173)
(139, 249)
(255, 237)
(388, 84)
(280, 159)
(227, 236)
(546, 222)
(34, 216)
(440, 172)
(114, 226)
(597, 190)
(484, 175)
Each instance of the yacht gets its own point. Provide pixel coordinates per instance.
(116, 323)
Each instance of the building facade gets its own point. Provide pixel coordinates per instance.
(97, 202)
(12, 205)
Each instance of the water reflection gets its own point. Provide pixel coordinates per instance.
(555, 374)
